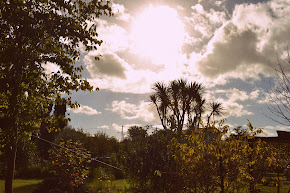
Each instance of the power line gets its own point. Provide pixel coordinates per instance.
(92, 159)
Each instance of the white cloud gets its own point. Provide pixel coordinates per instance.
(234, 109)
(203, 22)
(115, 38)
(228, 100)
(51, 68)
(120, 12)
(143, 111)
(104, 127)
(271, 131)
(234, 94)
(255, 94)
(83, 109)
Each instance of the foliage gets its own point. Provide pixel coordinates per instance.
(210, 162)
(69, 163)
(177, 101)
(27, 154)
(104, 183)
(34, 34)
(100, 144)
(145, 156)
(180, 103)
(49, 130)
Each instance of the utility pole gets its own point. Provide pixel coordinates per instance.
(122, 133)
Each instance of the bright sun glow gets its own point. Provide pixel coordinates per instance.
(158, 33)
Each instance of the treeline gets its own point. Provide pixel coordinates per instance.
(65, 159)
(186, 155)
(206, 159)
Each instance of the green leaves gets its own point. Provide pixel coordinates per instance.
(210, 160)
(70, 162)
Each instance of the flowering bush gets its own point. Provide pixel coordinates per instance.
(69, 163)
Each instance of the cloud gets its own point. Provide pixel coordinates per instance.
(51, 68)
(230, 50)
(120, 12)
(255, 94)
(83, 109)
(234, 109)
(271, 131)
(115, 38)
(143, 111)
(234, 94)
(110, 64)
(104, 127)
(205, 22)
(272, 99)
(228, 98)
(244, 46)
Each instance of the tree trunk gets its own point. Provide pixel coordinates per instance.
(221, 170)
(10, 169)
(278, 182)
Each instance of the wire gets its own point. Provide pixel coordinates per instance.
(92, 159)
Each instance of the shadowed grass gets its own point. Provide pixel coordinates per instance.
(21, 185)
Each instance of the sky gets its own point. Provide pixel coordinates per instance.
(228, 46)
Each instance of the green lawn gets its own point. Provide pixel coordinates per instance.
(27, 186)
(21, 186)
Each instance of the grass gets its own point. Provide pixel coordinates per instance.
(27, 186)
(273, 189)
(109, 186)
(21, 185)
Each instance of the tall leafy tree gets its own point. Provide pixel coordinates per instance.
(35, 33)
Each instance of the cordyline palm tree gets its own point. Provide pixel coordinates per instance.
(161, 101)
(196, 105)
(177, 100)
(215, 109)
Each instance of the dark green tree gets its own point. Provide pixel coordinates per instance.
(148, 162)
(34, 33)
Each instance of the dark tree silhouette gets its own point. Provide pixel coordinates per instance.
(176, 101)
(216, 109)
(180, 101)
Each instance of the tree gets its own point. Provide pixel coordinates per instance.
(280, 97)
(179, 102)
(215, 109)
(207, 159)
(176, 102)
(49, 131)
(35, 33)
(148, 162)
